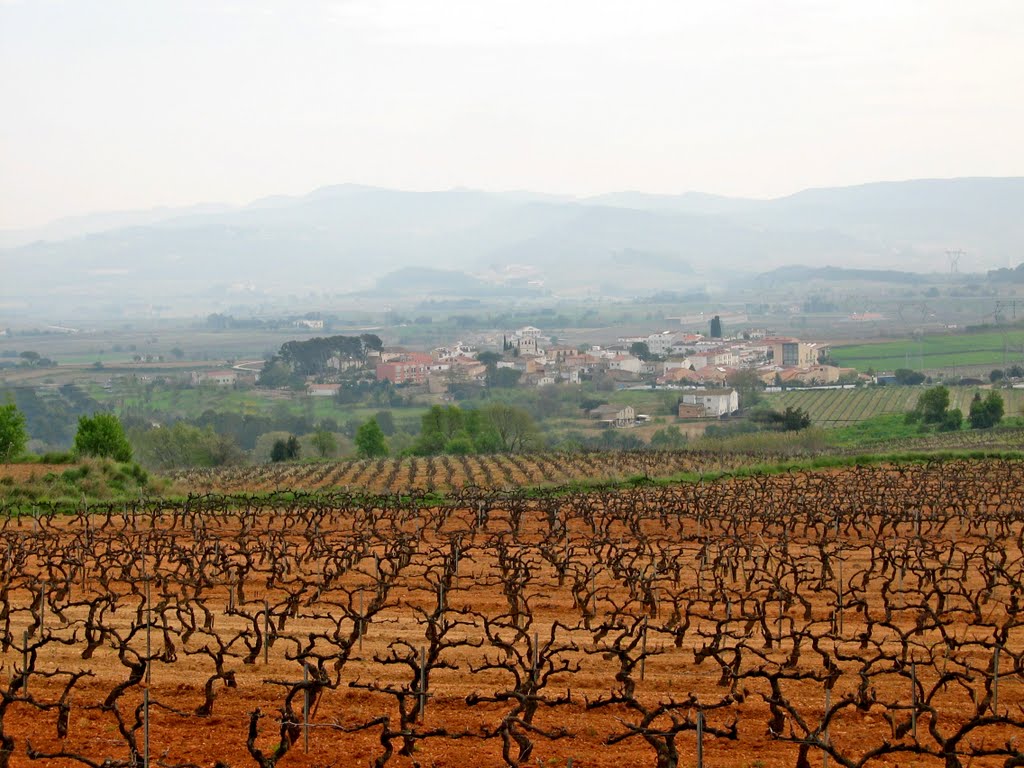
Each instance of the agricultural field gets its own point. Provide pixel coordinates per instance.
(840, 407)
(994, 350)
(445, 473)
(865, 616)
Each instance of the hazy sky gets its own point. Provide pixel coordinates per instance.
(116, 104)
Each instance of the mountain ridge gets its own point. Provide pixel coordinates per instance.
(343, 238)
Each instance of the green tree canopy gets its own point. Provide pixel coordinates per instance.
(931, 406)
(748, 385)
(668, 439)
(986, 412)
(13, 437)
(286, 449)
(640, 349)
(504, 378)
(370, 442)
(790, 420)
(184, 445)
(514, 427)
(325, 443)
(907, 376)
(386, 421)
(102, 435)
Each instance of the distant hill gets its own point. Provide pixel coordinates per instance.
(801, 274)
(345, 238)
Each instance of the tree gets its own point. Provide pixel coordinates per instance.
(748, 385)
(370, 442)
(505, 378)
(280, 450)
(952, 421)
(995, 375)
(668, 438)
(795, 419)
(275, 374)
(183, 445)
(907, 376)
(102, 435)
(488, 358)
(325, 443)
(931, 405)
(640, 349)
(790, 420)
(13, 437)
(386, 422)
(286, 449)
(986, 413)
(515, 427)
(716, 327)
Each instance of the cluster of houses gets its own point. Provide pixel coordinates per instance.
(700, 367)
(682, 359)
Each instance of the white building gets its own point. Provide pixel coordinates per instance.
(529, 332)
(625, 363)
(661, 343)
(217, 378)
(716, 402)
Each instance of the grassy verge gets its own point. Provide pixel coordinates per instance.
(89, 479)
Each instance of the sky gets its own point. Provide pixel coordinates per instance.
(131, 104)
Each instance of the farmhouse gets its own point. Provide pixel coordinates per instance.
(614, 415)
(217, 378)
(714, 402)
(322, 390)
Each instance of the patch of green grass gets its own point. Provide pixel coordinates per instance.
(890, 426)
(933, 351)
(91, 479)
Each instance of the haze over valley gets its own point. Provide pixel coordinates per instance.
(367, 242)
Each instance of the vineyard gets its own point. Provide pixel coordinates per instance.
(438, 473)
(868, 616)
(839, 407)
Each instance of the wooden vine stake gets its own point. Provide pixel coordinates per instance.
(149, 674)
(423, 683)
(643, 650)
(913, 699)
(995, 681)
(828, 706)
(700, 738)
(266, 630)
(362, 621)
(305, 708)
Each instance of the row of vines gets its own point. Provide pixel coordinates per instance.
(437, 473)
(841, 407)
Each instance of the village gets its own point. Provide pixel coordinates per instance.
(705, 370)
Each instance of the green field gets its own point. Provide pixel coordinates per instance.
(840, 407)
(192, 402)
(930, 352)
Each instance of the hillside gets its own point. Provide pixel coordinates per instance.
(344, 238)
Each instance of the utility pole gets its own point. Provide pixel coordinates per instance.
(954, 260)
